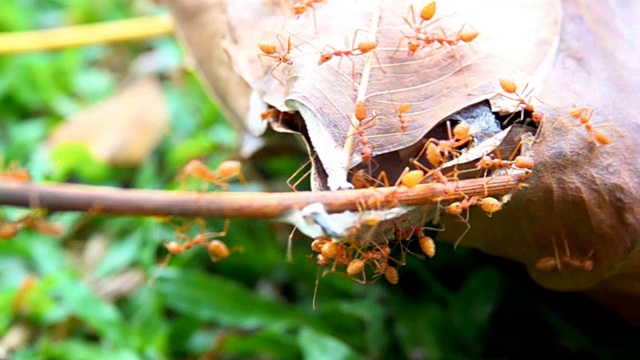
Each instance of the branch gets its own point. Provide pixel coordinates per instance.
(80, 35)
(260, 205)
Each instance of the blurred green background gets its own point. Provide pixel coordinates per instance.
(101, 292)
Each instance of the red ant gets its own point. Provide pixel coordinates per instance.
(300, 7)
(366, 151)
(362, 180)
(427, 245)
(216, 248)
(225, 171)
(402, 109)
(426, 14)
(391, 274)
(488, 204)
(33, 221)
(510, 87)
(465, 34)
(363, 47)
(584, 116)
(422, 39)
(270, 50)
(438, 150)
(550, 262)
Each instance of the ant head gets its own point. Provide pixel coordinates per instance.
(454, 208)
(324, 57)
(299, 8)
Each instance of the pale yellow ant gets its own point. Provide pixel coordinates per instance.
(403, 109)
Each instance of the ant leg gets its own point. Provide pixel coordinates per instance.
(304, 176)
(455, 245)
(290, 245)
(557, 255)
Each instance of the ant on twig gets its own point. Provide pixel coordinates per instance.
(220, 177)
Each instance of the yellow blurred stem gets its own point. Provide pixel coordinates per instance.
(82, 35)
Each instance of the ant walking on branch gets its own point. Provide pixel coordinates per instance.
(220, 177)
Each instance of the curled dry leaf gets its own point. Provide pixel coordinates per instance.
(581, 197)
(207, 33)
(571, 53)
(123, 129)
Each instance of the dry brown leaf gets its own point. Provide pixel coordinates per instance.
(573, 53)
(588, 201)
(435, 86)
(204, 30)
(123, 129)
(224, 35)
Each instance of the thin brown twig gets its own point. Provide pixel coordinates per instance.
(260, 205)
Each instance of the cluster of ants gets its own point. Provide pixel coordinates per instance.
(352, 254)
(419, 38)
(211, 241)
(359, 258)
(437, 152)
